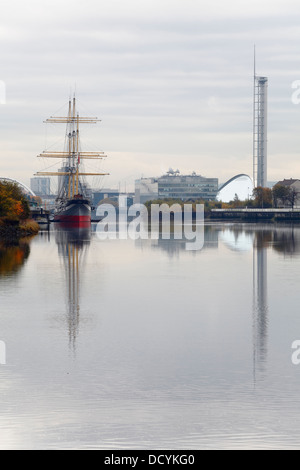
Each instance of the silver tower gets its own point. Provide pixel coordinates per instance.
(260, 137)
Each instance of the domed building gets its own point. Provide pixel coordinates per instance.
(27, 191)
(240, 186)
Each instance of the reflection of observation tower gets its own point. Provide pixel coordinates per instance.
(72, 247)
(260, 303)
(260, 138)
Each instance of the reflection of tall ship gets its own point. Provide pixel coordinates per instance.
(72, 245)
(72, 203)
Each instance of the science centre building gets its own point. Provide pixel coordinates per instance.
(240, 186)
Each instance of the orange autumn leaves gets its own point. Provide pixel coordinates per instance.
(13, 204)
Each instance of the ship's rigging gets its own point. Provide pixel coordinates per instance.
(73, 157)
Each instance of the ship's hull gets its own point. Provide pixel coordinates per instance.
(76, 212)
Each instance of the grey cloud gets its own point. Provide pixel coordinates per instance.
(162, 81)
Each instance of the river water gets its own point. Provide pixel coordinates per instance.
(123, 344)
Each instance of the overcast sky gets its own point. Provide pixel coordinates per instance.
(172, 81)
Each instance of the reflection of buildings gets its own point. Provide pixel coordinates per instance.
(286, 241)
(72, 247)
(239, 239)
(255, 239)
(258, 238)
(175, 246)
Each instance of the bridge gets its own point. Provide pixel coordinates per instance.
(256, 214)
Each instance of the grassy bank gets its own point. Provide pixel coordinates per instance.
(29, 227)
(12, 231)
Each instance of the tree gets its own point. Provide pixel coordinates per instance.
(284, 195)
(13, 204)
(263, 198)
(280, 194)
(292, 196)
(237, 203)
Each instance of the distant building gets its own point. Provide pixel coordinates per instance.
(294, 185)
(291, 183)
(98, 196)
(40, 186)
(176, 186)
(146, 189)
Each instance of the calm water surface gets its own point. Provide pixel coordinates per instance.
(141, 344)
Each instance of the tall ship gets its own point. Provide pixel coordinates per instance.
(72, 205)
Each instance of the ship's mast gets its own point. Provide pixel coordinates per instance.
(78, 155)
(73, 156)
(69, 145)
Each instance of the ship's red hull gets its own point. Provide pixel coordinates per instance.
(76, 213)
(74, 221)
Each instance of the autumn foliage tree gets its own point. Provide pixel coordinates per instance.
(13, 204)
(285, 195)
(262, 198)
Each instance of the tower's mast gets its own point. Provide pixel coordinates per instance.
(254, 122)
